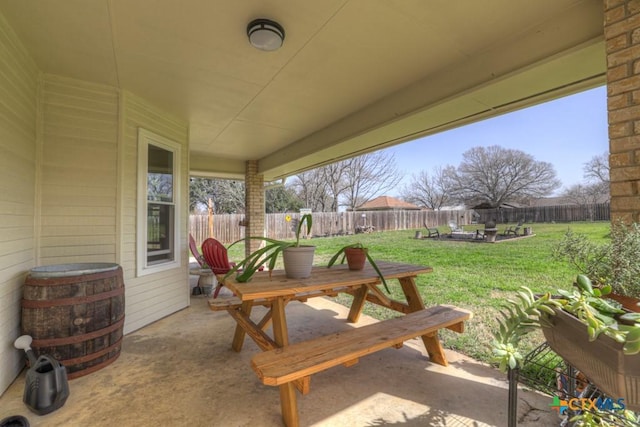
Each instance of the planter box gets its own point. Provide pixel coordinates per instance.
(602, 360)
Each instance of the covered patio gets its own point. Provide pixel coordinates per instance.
(98, 94)
(181, 371)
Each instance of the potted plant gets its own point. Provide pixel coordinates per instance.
(615, 264)
(297, 258)
(356, 255)
(589, 331)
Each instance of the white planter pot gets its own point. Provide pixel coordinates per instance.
(298, 261)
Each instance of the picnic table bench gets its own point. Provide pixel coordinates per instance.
(283, 365)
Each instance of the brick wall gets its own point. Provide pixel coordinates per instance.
(622, 34)
(254, 201)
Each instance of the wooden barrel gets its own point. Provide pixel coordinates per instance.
(75, 313)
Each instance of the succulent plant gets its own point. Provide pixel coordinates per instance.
(586, 302)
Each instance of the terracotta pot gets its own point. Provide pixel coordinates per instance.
(298, 261)
(356, 258)
(602, 360)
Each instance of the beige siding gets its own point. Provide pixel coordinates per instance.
(153, 296)
(78, 172)
(18, 94)
(68, 171)
(88, 189)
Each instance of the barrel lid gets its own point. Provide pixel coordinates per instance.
(77, 269)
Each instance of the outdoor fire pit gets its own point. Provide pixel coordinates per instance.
(490, 231)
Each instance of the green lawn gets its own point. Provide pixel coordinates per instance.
(475, 276)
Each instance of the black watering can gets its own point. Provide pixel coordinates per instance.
(46, 386)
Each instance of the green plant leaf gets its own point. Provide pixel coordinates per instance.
(375, 267)
(631, 317)
(631, 348)
(512, 362)
(584, 283)
(633, 335)
(306, 219)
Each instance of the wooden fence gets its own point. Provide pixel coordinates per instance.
(561, 213)
(227, 228)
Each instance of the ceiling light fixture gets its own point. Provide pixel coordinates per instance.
(265, 34)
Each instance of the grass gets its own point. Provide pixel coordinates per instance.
(475, 276)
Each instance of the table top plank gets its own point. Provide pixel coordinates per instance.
(322, 278)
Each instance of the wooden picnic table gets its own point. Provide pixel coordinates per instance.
(275, 290)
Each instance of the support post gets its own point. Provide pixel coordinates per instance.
(512, 375)
(254, 206)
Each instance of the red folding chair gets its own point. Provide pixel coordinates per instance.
(215, 254)
(194, 251)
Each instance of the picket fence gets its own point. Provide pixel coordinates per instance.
(227, 228)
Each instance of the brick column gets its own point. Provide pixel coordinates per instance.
(254, 205)
(622, 35)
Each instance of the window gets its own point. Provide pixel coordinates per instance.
(158, 185)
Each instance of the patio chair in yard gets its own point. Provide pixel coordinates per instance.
(513, 229)
(431, 232)
(454, 227)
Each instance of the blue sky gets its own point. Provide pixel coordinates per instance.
(566, 132)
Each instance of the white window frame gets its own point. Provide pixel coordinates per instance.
(146, 138)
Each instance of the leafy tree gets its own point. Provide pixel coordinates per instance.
(282, 199)
(494, 175)
(227, 195)
(428, 190)
(159, 186)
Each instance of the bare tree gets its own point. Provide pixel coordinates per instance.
(584, 194)
(587, 195)
(431, 191)
(368, 176)
(348, 182)
(597, 169)
(335, 182)
(494, 175)
(312, 190)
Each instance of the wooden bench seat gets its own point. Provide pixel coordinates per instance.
(296, 361)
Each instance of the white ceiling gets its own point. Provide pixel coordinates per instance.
(352, 75)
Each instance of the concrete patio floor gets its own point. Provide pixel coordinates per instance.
(181, 371)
